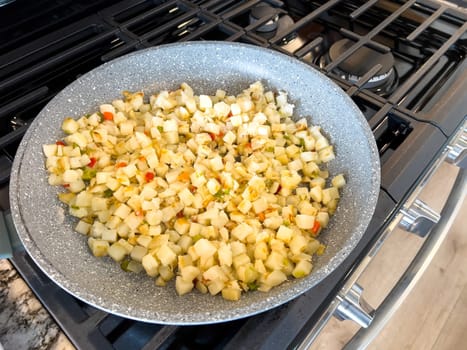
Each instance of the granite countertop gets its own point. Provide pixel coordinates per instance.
(24, 323)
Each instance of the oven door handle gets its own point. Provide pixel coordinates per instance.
(355, 308)
(417, 267)
(416, 218)
(9, 240)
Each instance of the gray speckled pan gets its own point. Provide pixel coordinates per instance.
(47, 231)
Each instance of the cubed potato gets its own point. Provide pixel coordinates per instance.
(204, 248)
(183, 286)
(138, 252)
(117, 252)
(150, 264)
(232, 294)
(305, 222)
(166, 255)
(302, 269)
(98, 247)
(284, 233)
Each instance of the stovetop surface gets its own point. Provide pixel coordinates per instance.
(403, 63)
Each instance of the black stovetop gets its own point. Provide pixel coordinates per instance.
(403, 63)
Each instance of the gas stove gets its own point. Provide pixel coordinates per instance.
(403, 64)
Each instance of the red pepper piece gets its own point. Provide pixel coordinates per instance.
(149, 176)
(60, 143)
(92, 162)
(315, 228)
(108, 116)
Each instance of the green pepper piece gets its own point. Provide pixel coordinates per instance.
(88, 173)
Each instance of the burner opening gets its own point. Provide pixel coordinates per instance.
(359, 63)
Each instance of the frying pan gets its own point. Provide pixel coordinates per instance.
(46, 230)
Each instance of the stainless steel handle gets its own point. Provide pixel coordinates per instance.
(416, 268)
(419, 218)
(416, 217)
(354, 307)
(457, 150)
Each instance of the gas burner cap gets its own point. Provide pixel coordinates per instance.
(264, 10)
(360, 62)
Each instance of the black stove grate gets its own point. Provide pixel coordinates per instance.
(47, 44)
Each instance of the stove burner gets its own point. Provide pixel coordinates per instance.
(264, 10)
(355, 66)
(276, 25)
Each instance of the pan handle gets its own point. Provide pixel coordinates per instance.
(9, 240)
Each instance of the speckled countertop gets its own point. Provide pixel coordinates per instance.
(24, 323)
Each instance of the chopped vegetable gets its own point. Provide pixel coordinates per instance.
(92, 162)
(224, 194)
(149, 176)
(108, 116)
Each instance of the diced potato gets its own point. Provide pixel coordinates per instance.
(225, 254)
(70, 126)
(204, 248)
(122, 211)
(117, 252)
(98, 247)
(305, 222)
(232, 294)
(329, 194)
(284, 233)
(150, 264)
(261, 251)
(183, 286)
(83, 227)
(302, 269)
(182, 225)
(275, 278)
(323, 218)
(215, 286)
(166, 255)
(298, 244)
(49, 150)
(338, 181)
(275, 261)
(138, 253)
(144, 241)
(109, 235)
(241, 231)
(241, 259)
(189, 273)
